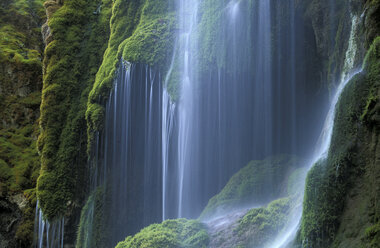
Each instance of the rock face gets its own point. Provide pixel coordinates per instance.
(21, 49)
(51, 6)
(341, 206)
(75, 39)
(14, 220)
(330, 22)
(10, 217)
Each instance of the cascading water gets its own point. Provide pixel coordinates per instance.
(127, 159)
(48, 234)
(322, 148)
(132, 152)
(160, 159)
(187, 19)
(235, 110)
(168, 111)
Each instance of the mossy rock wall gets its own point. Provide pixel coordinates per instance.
(21, 53)
(76, 35)
(341, 204)
(331, 23)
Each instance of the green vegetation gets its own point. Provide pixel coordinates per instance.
(180, 233)
(90, 232)
(209, 36)
(372, 235)
(79, 31)
(141, 32)
(258, 183)
(20, 84)
(341, 196)
(19, 161)
(260, 225)
(372, 19)
(213, 46)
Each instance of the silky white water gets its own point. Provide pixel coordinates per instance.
(48, 234)
(187, 10)
(168, 111)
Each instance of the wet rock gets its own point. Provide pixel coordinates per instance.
(10, 217)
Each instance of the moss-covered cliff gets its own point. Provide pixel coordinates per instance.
(76, 35)
(330, 21)
(21, 49)
(342, 192)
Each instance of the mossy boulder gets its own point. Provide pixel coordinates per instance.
(257, 227)
(179, 233)
(258, 183)
(260, 226)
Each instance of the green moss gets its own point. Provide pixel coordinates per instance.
(258, 227)
(150, 42)
(20, 83)
(90, 231)
(209, 35)
(350, 157)
(258, 183)
(372, 236)
(141, 32)
(372, 68)
(372, 29)
(71, 61)
(19, 160)
(180, 233)
(25, 231)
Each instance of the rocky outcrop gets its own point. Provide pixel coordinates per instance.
(10, 217)
(75, 41)
(51, 6)
(21, 49)
(330, 21)
(341, 206)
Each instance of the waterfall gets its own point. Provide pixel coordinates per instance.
(132, 153)
(263, 76)
(323, 145)
(126, 162)
(168, 111)
(232, 113)
(187, 18)
(48, 234)
(168, 118)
